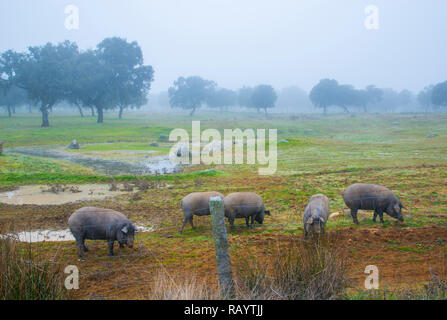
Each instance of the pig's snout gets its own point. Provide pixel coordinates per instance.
(130, 242)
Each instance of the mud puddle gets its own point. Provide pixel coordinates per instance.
(54, 235)
(133, 163)
(56, 195)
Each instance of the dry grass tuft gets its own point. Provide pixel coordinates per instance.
(23, 277)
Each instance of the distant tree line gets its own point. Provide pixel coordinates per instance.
(329, 93)
(193, 92)
(112, 76)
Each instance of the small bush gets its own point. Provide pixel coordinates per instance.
(299, 271)
(23, 278)
(167, 287)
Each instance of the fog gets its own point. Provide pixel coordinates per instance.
(236, 43)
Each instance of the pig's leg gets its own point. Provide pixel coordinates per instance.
(84, 246)
(231, 221)
(247, 222)
(111, 243)
(184, 224)
(252, 220)
(375, 215)
(191, 222)
(79, 244)
(380, 213)
(354, 216)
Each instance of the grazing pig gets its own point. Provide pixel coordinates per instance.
(101, 224)
(197, 203)
(244, 205)
(372, 197)
(316, 215)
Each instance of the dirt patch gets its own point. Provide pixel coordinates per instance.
(403, 257)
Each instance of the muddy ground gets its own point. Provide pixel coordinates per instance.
(403, 253)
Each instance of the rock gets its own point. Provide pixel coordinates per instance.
(74, 145)
(1, 147)
(163, 137)
(432, 135)
(335, 214)
(154, 144)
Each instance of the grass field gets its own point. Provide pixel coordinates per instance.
(321, 155)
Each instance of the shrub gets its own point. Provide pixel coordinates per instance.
(167, 287)
(300, 271)
(22, 277)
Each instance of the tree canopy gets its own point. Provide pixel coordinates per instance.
(264, 97)
(190, 93)
(329, 92)
(439, 94)
(111, 76)
(222, 98)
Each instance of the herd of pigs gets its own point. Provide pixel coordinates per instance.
(105, 224)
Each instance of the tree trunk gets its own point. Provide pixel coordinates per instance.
(13, 109)
(80, 111)
(9, 111)
(93, 111)
(192, 112)
(325, 110)
(44, 109)
(100, 112)
(120, 114)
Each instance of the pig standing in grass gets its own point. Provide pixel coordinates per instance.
(372, 197)
(244, 205)
(100, 224)
(197, 203)
(316, 215)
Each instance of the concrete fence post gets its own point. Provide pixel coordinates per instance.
(226, 284)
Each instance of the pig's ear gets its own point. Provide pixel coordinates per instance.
(322, 220)
(267, 212)
(397, 207)
(124, 229)
(402, 206)
(310, 220)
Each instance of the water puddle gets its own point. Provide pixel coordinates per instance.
(53, 235)
(116, 162)
(56, 195)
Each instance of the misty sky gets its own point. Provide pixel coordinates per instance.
(248, 42)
